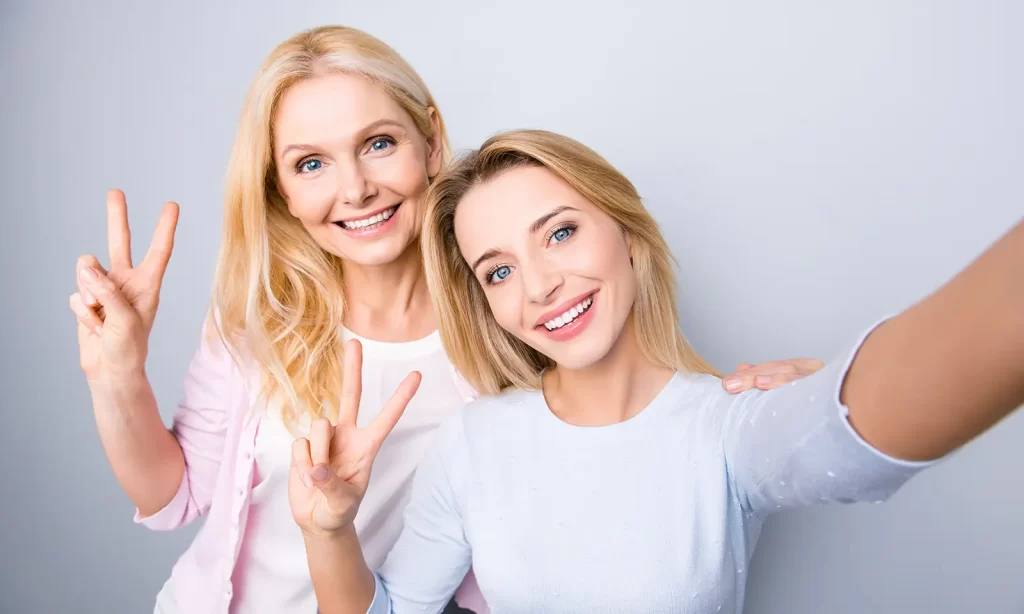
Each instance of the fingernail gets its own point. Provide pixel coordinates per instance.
(89, 299)
(319, 473)
(763, 380)
(88, 274)
(98, 330)
(732, 383)
(308, 481)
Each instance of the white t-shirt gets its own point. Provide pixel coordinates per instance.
(272, 574)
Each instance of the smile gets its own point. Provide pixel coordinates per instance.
(570, 315)
(370, 222)
(570, 320)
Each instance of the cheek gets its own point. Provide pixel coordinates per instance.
(309, 200)
(404, 173)
(602, 256)
(505, 304)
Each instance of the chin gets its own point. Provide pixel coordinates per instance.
(378, 253)
(578, 353)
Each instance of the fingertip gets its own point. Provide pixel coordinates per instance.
(319, 473)
(732, 384)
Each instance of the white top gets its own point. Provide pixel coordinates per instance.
(657, 514)
(272, 563)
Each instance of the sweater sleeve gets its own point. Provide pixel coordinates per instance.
(794, 446)
(432, 555)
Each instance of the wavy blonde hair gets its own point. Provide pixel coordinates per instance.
(277, 293)
(488, 356)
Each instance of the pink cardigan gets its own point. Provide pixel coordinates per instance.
(217, 434)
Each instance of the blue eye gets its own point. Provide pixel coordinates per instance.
(562, 234)
(499, 274)
(381, 143)
(310, 166)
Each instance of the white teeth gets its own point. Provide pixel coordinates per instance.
(370, 221)
(570, 315)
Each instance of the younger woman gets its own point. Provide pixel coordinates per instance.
(608, 471)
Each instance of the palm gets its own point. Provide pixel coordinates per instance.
(351, 457)
(345, 451)
(123, 344)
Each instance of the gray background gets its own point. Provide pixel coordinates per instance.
(814, 168)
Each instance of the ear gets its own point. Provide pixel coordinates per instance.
(434, 144)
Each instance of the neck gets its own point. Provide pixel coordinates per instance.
(388, 302)
(613, 390)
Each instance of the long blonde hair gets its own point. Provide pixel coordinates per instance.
(277, 293)
(490, 358)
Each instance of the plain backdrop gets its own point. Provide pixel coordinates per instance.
(814, 166)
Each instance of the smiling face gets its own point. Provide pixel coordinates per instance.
(555, 268)
(352, 167)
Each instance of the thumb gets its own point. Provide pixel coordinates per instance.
(107, 294)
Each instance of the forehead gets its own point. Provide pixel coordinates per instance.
(332, 106)
(497, 212)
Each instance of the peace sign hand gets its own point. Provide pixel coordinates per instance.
(116, 308)
(330, 470)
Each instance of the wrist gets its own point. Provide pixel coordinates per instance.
(120, 388)
(330, 537)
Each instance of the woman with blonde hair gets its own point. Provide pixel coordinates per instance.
(338, 140)
(608, 470)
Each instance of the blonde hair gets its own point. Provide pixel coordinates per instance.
(277, 293)
(489, 357)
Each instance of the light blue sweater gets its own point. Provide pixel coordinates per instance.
(659, 513)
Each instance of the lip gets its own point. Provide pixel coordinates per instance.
(577, 326)
(368, 231)
(554, 313)
(368, 215)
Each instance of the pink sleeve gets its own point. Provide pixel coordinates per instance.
(200, 425)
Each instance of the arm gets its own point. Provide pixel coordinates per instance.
(115, 311)
(894, 402)
(212, 383)
(950, 367)
(144, 455)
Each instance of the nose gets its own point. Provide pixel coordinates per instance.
(541, 282)
(354, 188)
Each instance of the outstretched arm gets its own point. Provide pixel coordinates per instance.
(908, 392)
(950, 367)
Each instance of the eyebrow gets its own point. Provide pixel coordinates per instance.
(534, 227)
(366, 129)
(537, 225)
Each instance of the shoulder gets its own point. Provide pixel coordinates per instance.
(488, 414)
(221, 357)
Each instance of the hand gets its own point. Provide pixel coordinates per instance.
(768, 375)
(116, 308)
(330, 469)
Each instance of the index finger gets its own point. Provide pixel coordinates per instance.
(389, 415)
(351, 383)
(119, 238)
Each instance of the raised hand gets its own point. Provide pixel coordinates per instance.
(768, 375)
(116, 308)
(330, 469)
